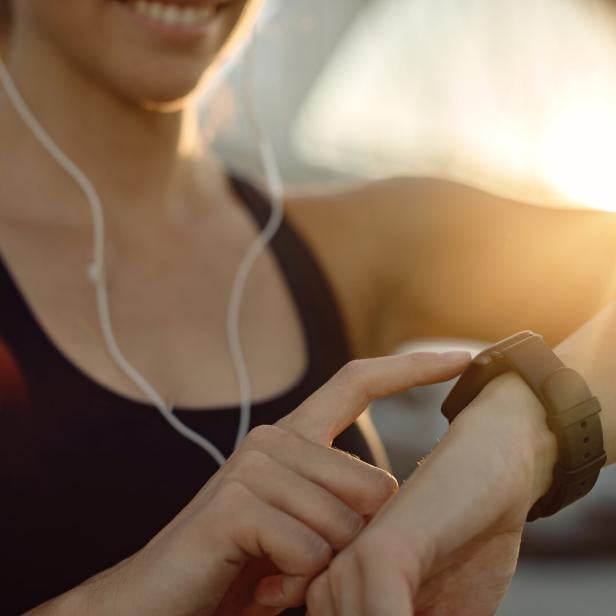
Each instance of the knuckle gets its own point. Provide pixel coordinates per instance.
(263, 437)
(356, 377)
(352, 373)
(231, 499)
(233, 494)
(249, 463)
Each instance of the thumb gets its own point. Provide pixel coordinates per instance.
(336, 405)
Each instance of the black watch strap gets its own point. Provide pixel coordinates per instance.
(572, 412)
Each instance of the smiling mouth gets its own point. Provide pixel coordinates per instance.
(176, 15)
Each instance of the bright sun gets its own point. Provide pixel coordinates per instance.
(518, 98)
(577, 155)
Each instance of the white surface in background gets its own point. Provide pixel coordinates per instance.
(515, 96)
(296, 40)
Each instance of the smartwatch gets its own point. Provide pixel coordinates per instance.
(572, 412)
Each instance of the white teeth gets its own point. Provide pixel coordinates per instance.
(173, 14)
(188, 16)
(155, 11)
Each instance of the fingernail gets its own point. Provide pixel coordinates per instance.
(457, 355)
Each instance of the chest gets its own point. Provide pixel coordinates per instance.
(168, 297)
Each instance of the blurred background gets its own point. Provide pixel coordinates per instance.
(511, 96)
(514, 96)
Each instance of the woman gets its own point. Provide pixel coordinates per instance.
(93, 476)
(82, 445)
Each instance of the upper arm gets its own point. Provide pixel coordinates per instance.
(419, 257)
(464, 263)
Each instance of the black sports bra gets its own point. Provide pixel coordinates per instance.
(88, 477)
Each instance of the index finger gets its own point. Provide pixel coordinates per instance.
(336, 405)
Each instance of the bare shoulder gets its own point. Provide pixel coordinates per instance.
(374, 210)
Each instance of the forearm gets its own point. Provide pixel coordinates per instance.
(472, 265)
(552, 269)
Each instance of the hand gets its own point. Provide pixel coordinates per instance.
(273, 516)
(448, 542)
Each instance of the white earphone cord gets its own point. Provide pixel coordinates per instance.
(96, 270)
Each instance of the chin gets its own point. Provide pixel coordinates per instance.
(152, 52)
(167, 61)
(165, 99)
(165, 90)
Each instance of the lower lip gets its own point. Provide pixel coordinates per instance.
(168, 31)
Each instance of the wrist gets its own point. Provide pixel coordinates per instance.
(508, 412)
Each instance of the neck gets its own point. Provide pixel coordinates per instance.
(131, 154)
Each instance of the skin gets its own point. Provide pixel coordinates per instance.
(460, 551)
(156, 176)
(419, 257)
(242, 537)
